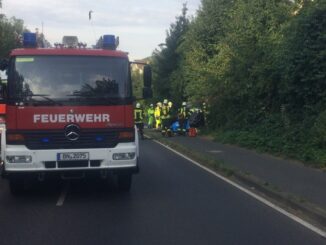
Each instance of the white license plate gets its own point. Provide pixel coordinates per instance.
(72, 156)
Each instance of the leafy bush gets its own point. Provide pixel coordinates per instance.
(319, 131)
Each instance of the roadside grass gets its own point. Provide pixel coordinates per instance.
(278, 143)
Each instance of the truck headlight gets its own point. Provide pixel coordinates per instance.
(19, 159)
(124, 156)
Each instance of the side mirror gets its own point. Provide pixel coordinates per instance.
(4, 64)
(147, 76)
(147, 93)
(2, 91)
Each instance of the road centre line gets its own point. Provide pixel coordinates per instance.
(63, 195)
(250, 193)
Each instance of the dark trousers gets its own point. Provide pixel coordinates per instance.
(140, 127)
(166, 123)
(182, 124)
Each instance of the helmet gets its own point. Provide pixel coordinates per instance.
(151, 105)
(159, 104)
(138, 105)
(170, 104)
(184, 103)
(165, 101)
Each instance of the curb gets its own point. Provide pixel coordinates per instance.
(303, 209)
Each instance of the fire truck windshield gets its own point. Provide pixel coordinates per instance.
(69, 78)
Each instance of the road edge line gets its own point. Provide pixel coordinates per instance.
(250, 193)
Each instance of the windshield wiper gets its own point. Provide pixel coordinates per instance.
(44, 96)
(95, 98)
(76, 93)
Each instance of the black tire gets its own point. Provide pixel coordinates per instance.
(16, 185)
(124, 182)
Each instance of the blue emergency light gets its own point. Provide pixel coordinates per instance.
(109, 42)
(29, 40)
(99, 138)
(45, 140)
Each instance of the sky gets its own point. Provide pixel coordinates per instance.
(140, 24)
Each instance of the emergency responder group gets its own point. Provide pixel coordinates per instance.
(163, 115)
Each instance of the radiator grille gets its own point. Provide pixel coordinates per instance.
(57, 140)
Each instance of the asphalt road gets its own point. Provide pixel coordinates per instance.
(171, 202)
(291, 177)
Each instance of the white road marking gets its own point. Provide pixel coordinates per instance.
(250, 193)
(215, 151)
(63, 195)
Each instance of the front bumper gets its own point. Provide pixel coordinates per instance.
(46, 160)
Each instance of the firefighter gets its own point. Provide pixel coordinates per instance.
(150, 116)
(205, 112)
(166, 119)
(183, 116)
(157, 114)
(173, 113)
(138, 117)
(170, 104)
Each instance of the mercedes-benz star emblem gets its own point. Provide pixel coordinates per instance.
(72, 132)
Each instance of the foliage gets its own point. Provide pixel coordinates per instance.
(261, 66)
(11, 31)
(303, 60)
(10, 34)
(206, 56)
(137, 83)
(319, 131)
(168, 60)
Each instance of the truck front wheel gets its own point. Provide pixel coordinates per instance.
(124, 182)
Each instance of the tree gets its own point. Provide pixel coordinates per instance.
(253, 36)
(167, 59)
(261, 66)
(10, 34)
(137, 82)
(304, 60)
(203, 47)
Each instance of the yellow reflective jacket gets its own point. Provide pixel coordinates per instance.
(138, 115)
(157, 113)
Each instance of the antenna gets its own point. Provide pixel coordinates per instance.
(91, 20)
(42, 35)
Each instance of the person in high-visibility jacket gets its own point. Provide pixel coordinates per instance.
(166, 119)
(173, 112)
(205, 112)
(139, 119)
(183, 116)
(157, 114)
(150, 116)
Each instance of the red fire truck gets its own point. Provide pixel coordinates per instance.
(70, 113)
